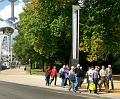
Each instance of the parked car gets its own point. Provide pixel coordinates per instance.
(5, 65)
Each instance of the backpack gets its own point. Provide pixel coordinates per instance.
(72, 77)
(62, 74)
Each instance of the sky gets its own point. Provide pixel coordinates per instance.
(5, 8)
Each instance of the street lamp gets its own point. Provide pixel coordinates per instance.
(75, 34)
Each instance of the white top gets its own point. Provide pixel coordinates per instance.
(103, 73)
(89, 73)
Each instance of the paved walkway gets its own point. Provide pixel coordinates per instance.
(21, 77)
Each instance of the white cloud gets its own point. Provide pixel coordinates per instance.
(6, 12)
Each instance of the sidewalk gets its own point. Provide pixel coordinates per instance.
(20, 76)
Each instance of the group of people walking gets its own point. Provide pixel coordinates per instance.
(74, 77)
(99, 77)
(50, 75)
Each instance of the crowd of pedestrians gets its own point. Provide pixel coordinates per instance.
(99, 77)
(74, 77)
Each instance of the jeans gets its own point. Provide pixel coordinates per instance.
(62, 82)
(78, 80)
(111, 80)
(72, 86)
(95, 80)
(89, 81)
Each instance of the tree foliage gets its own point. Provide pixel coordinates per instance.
(100, 28)
(47, 26)
(24, 51)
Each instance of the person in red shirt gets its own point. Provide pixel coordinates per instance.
(54, 75)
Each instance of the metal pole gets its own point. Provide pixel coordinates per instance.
(78, 35)
(12, 10)
(74, 30)
(75, 35)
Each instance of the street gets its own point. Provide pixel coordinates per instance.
(17, 91)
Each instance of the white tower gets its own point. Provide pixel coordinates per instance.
(6, 29)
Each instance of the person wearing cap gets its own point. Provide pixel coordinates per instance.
(109, 76)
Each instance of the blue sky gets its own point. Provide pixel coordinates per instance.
(5, 3)
(5, 9)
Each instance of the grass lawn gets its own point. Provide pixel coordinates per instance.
(37, 72)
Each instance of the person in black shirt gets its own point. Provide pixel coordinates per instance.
(79, 75)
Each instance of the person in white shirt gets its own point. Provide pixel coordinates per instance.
(103, 79)
(62, 75)
(89, 76)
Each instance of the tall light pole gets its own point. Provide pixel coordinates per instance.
(75, 34)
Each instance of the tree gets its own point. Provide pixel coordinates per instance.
(46, 24)
(26, 1)
(100, 29)
(24, 51)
